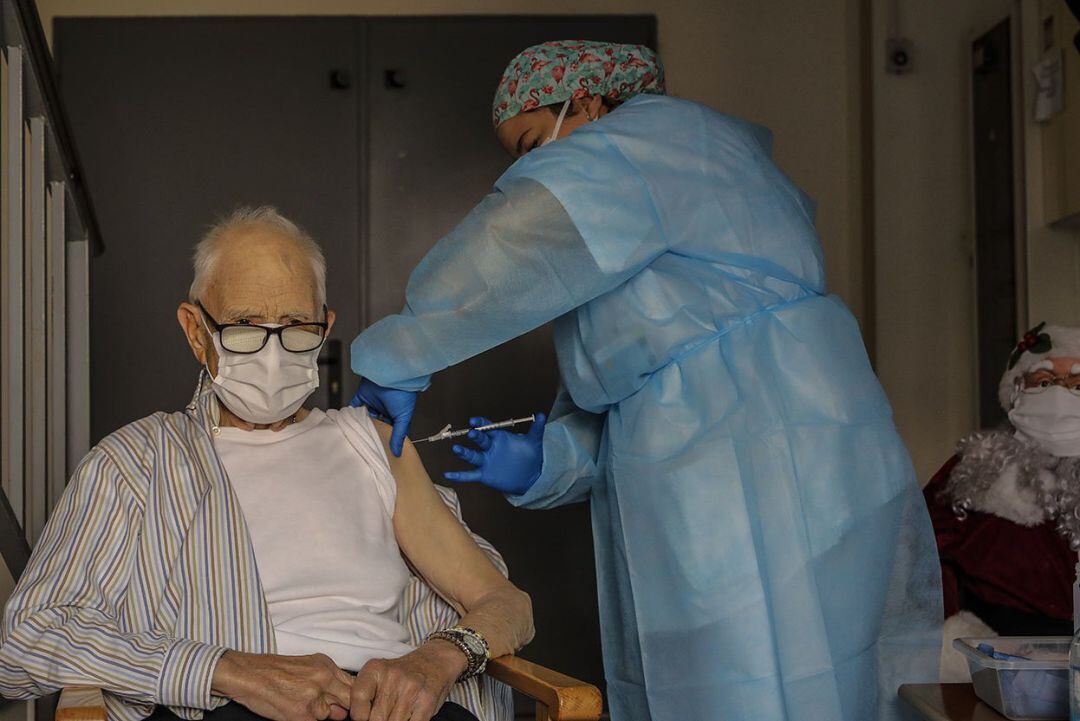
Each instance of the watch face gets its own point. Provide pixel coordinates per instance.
(474, 644)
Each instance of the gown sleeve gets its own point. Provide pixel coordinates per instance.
(572, 453)
(517, 261)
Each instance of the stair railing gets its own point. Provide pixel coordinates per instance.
(47, 232)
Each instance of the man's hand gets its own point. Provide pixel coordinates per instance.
(410, 688)
(284, 688)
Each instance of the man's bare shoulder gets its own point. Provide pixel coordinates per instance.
(384, 430)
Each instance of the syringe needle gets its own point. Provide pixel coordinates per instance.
(437, 437)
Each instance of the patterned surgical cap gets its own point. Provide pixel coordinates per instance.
(561, 70)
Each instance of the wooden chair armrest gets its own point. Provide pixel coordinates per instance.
(81, 703)
(558, 696)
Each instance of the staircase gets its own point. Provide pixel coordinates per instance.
(47, 232)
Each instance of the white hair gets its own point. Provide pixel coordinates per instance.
(208, 249)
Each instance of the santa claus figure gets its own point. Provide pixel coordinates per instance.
(1006, 507)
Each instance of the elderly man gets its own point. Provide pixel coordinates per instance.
(247, 549)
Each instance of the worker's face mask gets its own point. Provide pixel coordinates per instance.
(266, 386)
(558, 123)
(1050, 418)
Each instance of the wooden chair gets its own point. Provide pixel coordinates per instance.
(558, 697)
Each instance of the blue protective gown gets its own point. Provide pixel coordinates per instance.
(762, 547)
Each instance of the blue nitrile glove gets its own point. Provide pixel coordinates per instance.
(989, 650)
(1035, 693)
(508, 462)
(389, 405)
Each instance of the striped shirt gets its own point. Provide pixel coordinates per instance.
(145, 575)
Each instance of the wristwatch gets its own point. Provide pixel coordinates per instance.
(470, 643)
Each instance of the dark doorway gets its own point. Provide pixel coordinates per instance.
(375, 135)
(995, 214)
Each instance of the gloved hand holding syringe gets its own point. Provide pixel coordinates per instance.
(506, 461)
(446, 433)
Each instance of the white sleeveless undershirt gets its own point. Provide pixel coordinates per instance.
(318, 498)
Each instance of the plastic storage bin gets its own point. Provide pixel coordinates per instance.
(1034, 688)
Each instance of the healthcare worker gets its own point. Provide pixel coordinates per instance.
(762, 547)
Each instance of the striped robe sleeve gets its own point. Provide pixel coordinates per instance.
(61, 626)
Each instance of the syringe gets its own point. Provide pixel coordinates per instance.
(446, 433)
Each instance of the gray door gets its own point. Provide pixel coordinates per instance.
(180, 119)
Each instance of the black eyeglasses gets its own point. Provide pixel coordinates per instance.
(250, 338)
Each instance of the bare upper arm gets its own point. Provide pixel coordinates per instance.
(432, 538)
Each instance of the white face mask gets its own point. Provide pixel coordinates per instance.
(1051, 419)
(267, 386)
(558, 123)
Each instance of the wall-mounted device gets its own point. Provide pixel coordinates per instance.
(899, 50)
(1057, 110)
(898, 56)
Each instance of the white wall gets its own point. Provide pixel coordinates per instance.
(924, 231)
(923, 236)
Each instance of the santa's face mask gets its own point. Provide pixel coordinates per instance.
(1046, 409)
